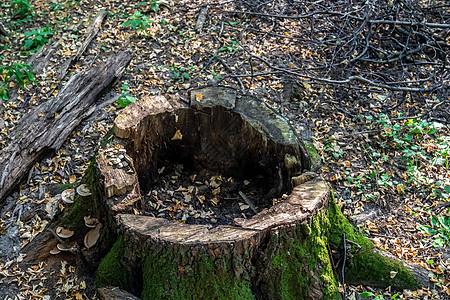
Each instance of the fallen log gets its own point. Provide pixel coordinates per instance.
(47, 127)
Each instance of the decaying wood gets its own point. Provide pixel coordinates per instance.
(47, 127)
(114, 293)
(132, 115)
(93, 28)
(117, 181)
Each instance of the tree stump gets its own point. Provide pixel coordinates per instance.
(282, 252)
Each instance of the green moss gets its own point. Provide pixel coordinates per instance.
(64, 186)
(110, 272)
(314, 156)
(297, 258)
(206, 278)
(368, 267)
(295, 265)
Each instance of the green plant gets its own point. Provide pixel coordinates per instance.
(55, 6)
(443, 153)
(19, 8)
(356, 181)
(439, 230)
(376, 297)
(385, 180)
(230, 48)
(138, 21)
(180, 74)
(37, 38)
(334, 148)
(125, 99)
(21, 72)
(154, 4)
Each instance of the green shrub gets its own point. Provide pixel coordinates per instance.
(21, 72)
(19, 8)
(37, 38)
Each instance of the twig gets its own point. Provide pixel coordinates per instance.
(319, 12)
(435, 25)
(348, 80)
(231, 71)
(425, 113)
(249, 203)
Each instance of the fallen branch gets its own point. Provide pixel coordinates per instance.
(348, 80)
(46, 128)
(248, 201)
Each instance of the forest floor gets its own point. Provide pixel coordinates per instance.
(371, 96)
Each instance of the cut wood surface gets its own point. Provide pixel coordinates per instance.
(47, 127)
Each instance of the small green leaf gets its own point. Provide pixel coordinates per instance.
(428, 230)
(366, 294)
(28, 44)
(439, 242)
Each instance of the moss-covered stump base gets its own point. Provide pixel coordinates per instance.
(160, 259)
(179, 261)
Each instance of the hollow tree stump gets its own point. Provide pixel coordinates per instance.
(279, 253)
(282, 252)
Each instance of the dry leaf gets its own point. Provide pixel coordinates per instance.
(72, 179)
(177, 136)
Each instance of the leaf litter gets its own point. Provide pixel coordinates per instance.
(364, 136)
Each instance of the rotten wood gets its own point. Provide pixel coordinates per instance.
(46, 128)
(93, 28)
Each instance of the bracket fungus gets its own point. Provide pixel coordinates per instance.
(68, 196)
(67, 246)
(91, 238)
(64, 233)
(83, 190)
(90, 222)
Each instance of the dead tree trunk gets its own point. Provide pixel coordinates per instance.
(47, 127)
